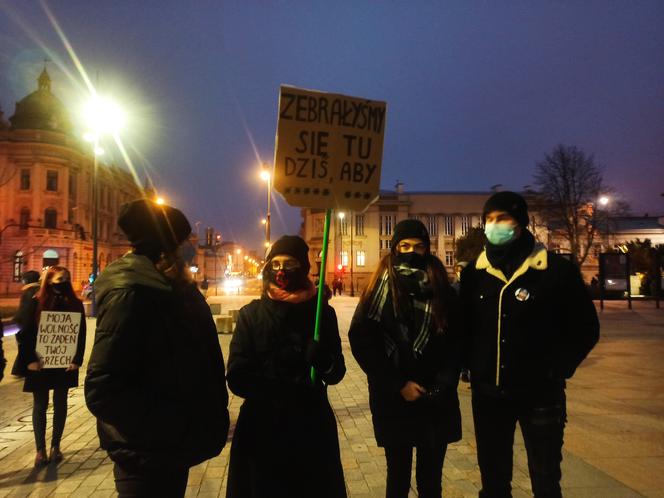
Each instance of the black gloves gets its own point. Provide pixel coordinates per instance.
(318, 356)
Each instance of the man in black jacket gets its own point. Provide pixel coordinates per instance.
(529, 324)
(156, 379)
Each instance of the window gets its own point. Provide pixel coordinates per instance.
(50, 258)
(25, 179)
(343, 226)
(360, 258)
(344, 258)
(432, 225)
(319, 224)
(465, 224)
(52, 181)
(449, 258)
(359, 224)
(385, 244)
(18, 266)
(387, 222)
(73, 180)
(449, 225)
(24, 218)
(50, 218)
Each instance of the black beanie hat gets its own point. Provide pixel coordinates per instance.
(30, 277)
(152, 228)
(294, 246)
(410, 229)
(510, 202)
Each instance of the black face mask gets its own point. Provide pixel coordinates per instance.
(289, 280)
(60, 287)
(412, 259)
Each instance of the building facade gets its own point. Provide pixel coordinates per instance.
(358, 241)
(46, 207)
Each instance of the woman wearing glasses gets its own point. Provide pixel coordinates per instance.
(404, 335)
(285, 441)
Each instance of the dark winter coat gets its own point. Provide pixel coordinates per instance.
(427, 421)
(26, 308)
(285, 442)
(155, 379)
(529, 333)
(48, 378)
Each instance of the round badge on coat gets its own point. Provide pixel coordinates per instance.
(522, 294)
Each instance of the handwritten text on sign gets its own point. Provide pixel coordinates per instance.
(57, 338)
(329, 149)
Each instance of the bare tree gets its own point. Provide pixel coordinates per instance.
(570, 184)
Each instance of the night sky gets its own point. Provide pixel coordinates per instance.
(477, 92)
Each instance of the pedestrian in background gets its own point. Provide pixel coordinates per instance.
(405, 336)
(3, 362)
(285, 442)
(155, 379)
(26, 308)
(530, 323)
(55, 294)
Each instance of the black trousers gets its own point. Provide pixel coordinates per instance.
(39, 407)
(542, 422)
(168, 483)
(428, 472)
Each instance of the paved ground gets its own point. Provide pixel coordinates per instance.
(614, 445)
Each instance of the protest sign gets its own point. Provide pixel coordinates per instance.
(329, 149)
(57, 338)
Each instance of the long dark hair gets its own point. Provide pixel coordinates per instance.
(440, 287)
(45, 295)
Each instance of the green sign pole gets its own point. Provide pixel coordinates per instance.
(321, 282)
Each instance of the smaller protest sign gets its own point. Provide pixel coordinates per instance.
(57, 338)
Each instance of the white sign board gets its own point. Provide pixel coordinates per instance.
(57, 338)
(329, 149)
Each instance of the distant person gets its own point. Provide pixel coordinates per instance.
(285, 442)
(55, 294)
(337, 286)
(26, 308)
(3, 362)
(529, 323)
(405, 337)
(155, 379)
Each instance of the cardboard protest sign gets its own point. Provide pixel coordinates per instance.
(329, 149)
(57, 338)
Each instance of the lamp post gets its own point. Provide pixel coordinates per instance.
(102, 116)
(604, 202)
(266, 176)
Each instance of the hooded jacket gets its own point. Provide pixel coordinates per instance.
(155, 379)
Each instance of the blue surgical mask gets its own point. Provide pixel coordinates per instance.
(500, 234)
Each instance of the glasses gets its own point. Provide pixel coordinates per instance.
(284, 265)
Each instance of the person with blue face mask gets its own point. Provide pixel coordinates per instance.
(529, 323)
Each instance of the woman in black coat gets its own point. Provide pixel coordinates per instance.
(55, 294)
(285, 442)
(405, 337)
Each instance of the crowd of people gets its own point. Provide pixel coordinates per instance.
(517, 323)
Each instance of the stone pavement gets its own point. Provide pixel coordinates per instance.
(614, 444)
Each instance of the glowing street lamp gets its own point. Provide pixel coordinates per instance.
(160, 201)
(101, 116)
(267, 178)
(604, 200)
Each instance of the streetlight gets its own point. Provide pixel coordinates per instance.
(101, 116)
(267, 178)
(604, 202)
(160, 201)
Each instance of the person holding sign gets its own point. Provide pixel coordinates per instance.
(405, 335)
(285, 442)
(155, 378)
(52, 347)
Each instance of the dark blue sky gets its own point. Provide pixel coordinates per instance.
(477, 92)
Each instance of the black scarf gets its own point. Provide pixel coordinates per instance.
(509, 257)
